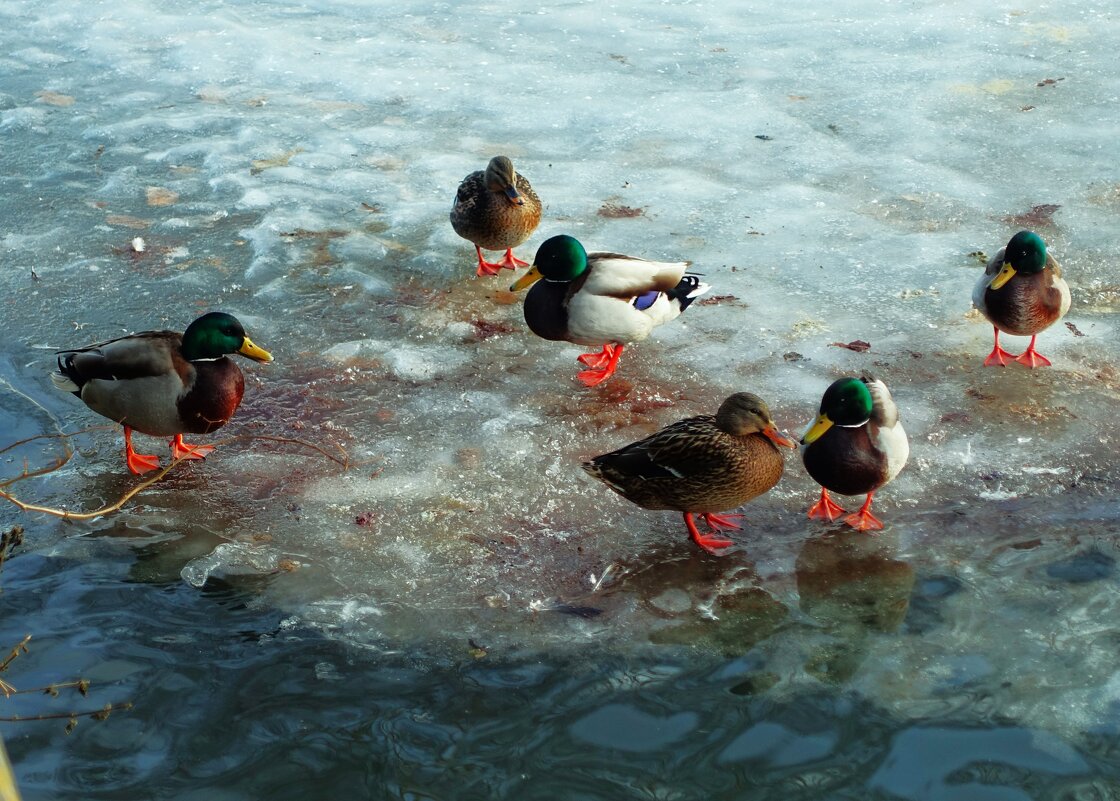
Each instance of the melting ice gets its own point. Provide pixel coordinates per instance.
(833, 172)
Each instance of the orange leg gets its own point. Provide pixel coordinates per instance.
(825, 508)
(1031, 357)
(709, 544)
(998, 357)
(138, 463)
(863, 520)
(184, 450)
(602, 370)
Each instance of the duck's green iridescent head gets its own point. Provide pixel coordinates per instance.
(847, 402)
(559, 258)
(1025, 253)
(215, 334)
(500, 177)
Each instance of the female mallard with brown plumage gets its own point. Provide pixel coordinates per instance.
(496, 209)
(854, 446)
(700, 465)
(163, 383)
(602, 299)
(1021, 292)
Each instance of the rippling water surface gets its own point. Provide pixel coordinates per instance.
(460, 613)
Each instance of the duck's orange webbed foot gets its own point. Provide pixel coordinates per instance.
(184, 450)
(998, 357)
(708, 543)
(597, 361)
(511, 262)
(863, 520)
(487, 267)
(721, 522)
(1032, 358)
(825, 508)
(138, 463)
(602, 365)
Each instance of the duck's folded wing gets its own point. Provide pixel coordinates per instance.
(626, 276)
(884, 412)
(136, 356)
(469, 190)
(686, 448)
(1052, 263)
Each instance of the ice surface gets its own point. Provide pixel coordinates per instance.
(830, 169)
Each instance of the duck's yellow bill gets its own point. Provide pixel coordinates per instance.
(253, 352)
(817, 429)
(1005, 275)
(526, 280)
(771, 433)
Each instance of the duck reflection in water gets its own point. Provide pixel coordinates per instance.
(854, 587)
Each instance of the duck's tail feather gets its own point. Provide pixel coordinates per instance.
(690, 288)
(64, 377)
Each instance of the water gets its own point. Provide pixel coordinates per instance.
(462, 613)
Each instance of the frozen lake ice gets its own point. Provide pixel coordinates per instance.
(832, 171)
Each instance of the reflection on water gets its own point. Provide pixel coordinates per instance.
(852, 586)
(232, 700)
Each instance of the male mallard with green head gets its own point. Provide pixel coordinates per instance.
(163, 383)
(602, 299)
(700, 465)
(855, 446)
(496, 209)
(1021, 292)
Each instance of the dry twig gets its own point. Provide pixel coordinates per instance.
(81, 685)
(343, 460)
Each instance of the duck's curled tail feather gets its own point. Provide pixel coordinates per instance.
(690, 288)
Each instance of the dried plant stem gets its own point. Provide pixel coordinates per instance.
(97, 714)
(19, 649)
(113, 507)
(81, 685)
(342, 460)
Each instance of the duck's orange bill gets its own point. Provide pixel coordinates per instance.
(771, 432)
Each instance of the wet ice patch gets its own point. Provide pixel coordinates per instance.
(231, 559)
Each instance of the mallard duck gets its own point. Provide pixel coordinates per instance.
(602, 299)
(855, 446)
(163, 383)
(1021, 292)
(496, 209)
(701, 465)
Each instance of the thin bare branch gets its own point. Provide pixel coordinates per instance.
(97, 714)
(344, 462)
(19, 649)
(81, 685)
(64, 437)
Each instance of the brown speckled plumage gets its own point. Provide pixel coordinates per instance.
(484, 215)
(710, 463)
